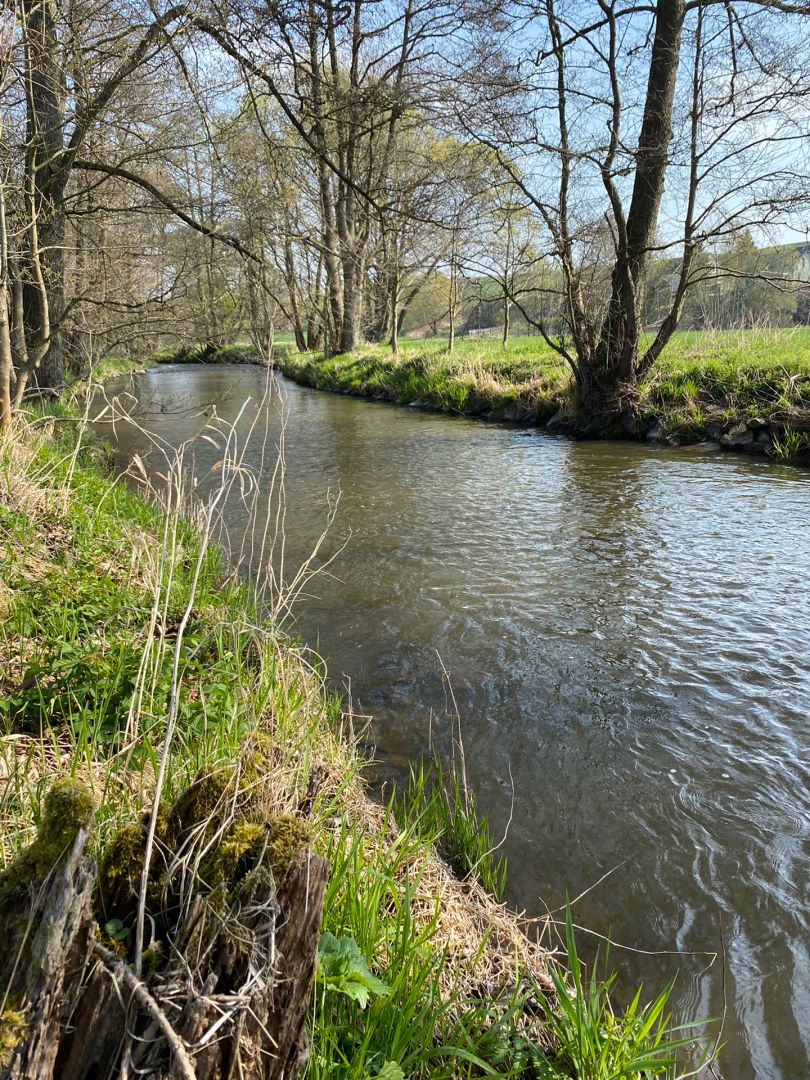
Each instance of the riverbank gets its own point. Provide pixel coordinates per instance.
(103, 593)
(87, 607)
(206, 353)
(743, 391)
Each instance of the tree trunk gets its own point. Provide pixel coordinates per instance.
(608, 376)
(300, 899)
(331, 262)
(292, 292)
(5, 356)
(452, 300)
(6, 361)
(45, 180)
(352, 297)
(395, 316)
(378, 329)
(314, 339)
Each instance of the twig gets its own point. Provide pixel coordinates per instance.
(119, 970)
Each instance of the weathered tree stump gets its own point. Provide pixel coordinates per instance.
(50, 971)
(300, 900)
(268, 1040)
(227, 998)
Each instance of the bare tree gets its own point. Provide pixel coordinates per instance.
(606, 86)
(347, 79)
(6, 360)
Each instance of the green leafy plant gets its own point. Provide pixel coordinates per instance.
(342, 969)
(115, 929)
(390, 1071)
(598, 1044)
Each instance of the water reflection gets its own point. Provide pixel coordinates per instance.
(626, 631)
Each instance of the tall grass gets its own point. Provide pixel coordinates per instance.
(791, 445)
(439, 806)
(416, 1024)
(92, 641)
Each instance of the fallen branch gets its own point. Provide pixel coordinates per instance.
(119, 970)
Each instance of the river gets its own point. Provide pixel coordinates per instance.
(626, 632)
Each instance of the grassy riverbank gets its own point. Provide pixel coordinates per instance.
(111, 605)
(232, 353)
(727, 386)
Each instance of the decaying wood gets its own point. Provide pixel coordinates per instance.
(245, 1018)
(127, 982)
(93, 1039)
(267, 1039)
(300, 900)
(55, 963)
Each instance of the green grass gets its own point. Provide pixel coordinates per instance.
(702, 378)
(421, 1023)
(756, 373)
(525, 383)
(596, 1044)
(439, 806)
(791, 445)
(112, 366)
(740, 349)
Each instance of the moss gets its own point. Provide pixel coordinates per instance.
(256, 886)
(114, 944)
(202, 800)
(286, 837)
(203, 803)
(68, 808)
(239, 851)
(119, 873)
(12, 1034)
(152, 960)
(243, 865)
(251, 845)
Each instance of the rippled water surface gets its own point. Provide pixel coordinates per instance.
(627, 634)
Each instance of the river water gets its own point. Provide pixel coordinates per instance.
(626, 632)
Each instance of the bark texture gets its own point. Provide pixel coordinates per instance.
(87, 1015)
(48, 978)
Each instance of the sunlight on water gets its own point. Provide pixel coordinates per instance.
(627, 632)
